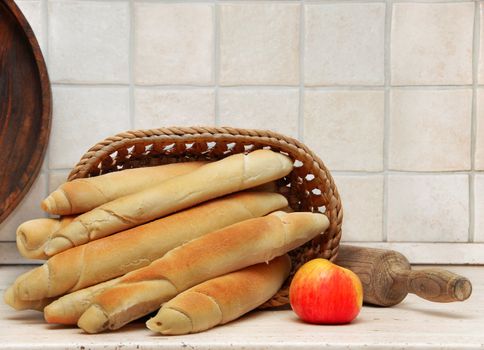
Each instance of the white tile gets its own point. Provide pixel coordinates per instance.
(432, 43)
(84, 116)
(173, 43)
(345, 128)
(89, 41)
(430, 130)
(479, 207)
(156, 108)
(428, 208)
(259, 43)
(29, 208)
(479, 147)
(32, 10)
(275, 110)
(362, 200)
(344, 44)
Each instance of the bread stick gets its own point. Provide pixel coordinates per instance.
(222, 299)
(32, 235)
(115, 255)
(234, 173)
(68, 308)
(81, 195)
(11, 299)
(229, 249)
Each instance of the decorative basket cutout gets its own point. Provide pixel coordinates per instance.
(309, 187)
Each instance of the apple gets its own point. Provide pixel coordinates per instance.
(324, 293)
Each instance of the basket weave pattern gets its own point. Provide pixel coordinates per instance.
(309, 187)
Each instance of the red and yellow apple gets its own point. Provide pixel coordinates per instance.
(324, 293)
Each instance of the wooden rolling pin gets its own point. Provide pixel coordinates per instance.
(387, 277)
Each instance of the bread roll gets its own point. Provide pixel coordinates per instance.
(229, 249)
(232, 174)
(81, 195)
(115, 255)
(32, 235)
(222, 299)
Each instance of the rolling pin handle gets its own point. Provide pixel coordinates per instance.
(436, 284)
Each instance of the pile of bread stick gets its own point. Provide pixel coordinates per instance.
(201, 242)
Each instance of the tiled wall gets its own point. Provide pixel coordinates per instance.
(390, 94)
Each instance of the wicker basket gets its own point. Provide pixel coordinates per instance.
(309, 187)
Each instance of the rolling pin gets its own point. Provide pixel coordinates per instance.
(387, 277)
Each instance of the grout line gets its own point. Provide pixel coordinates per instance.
(261, 87)
(433, 87)
(344, 87)
(216, 61)
(386, 117)
(302, 32)
(158, 1)
(90, 85)
(170, 1)
(310, 2)
(174, 87)
(404, 172)
(472, 216)
(131, 64)
(98, 0)
(434, 1)
(211, 1)
(226, 1)
(267, 87)
(475, 70)
(331, 2)
(394, 1)
(45, 24)
(380, 1)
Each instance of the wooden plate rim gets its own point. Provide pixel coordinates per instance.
(46, 95)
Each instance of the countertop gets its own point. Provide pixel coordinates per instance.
(413, 324)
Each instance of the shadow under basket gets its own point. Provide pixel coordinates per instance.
(309, 187)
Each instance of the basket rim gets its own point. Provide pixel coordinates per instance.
(108, 145)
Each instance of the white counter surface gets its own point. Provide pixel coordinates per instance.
(414, 323)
